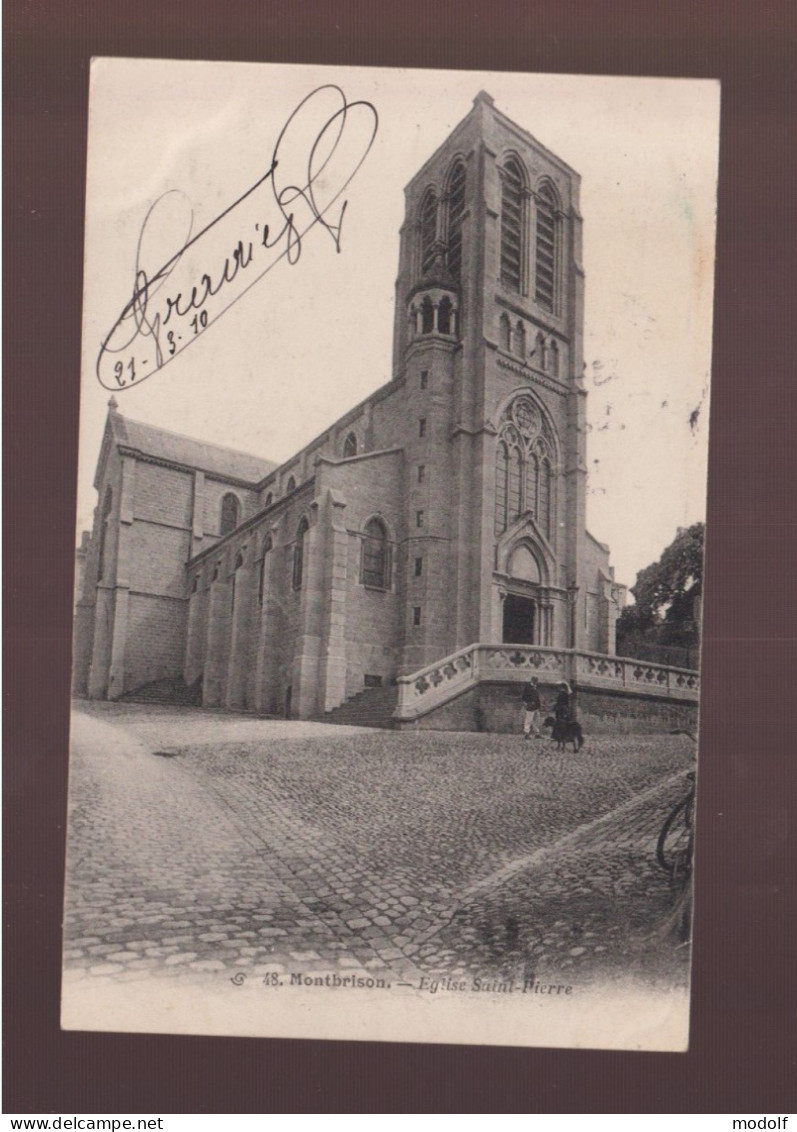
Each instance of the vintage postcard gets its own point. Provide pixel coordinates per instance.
(394, 422)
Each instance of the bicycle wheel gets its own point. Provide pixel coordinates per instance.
(674, 846)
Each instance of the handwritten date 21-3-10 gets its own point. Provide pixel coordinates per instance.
(318, 153)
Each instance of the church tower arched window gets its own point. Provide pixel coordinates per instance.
(445, 316)
(428, 230)
(546, 251)
(298, 554)
(375, 567)
(540, 350)
(504, 331)
(456, 212)
(512, 224)
(524, 468)
(554, 358)
(230, 513)
(350, 446)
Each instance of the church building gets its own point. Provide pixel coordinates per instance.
(447, 508)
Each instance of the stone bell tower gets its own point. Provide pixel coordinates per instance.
(488, 342)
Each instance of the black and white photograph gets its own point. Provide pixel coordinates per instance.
(394, 423)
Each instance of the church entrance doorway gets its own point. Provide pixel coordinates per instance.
(518, 620)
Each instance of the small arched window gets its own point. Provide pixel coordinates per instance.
(504, 331)
(456, 212)
(427, 316)
(261, 579)
(239, 560)
(554, 359)
(298, 554)
(230, 513)
(512, 224)
(445, 316)
(350, 446)
(107, 505)
(375, 569)
(428, 230)
(546, 250)
(290, 485)
(520, 339)
(539, 351)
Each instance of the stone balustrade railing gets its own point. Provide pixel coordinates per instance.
(438, 683)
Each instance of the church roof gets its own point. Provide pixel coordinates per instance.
(162, 444)
(597, 541)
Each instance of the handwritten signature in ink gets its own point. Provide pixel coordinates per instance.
(318, 152)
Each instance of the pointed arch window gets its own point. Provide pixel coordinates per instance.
(428, 230)
(519, 344)
(427, 316)
(230, 513)
(298, 554)
(540, 350)
(375, 563)
(350, 446)
(504, 331)
(290, 485)
(554, 358)
(107, 505)
(512, 224)
(546, 249)
(524, 470)
(456, 212)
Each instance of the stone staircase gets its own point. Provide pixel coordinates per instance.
(167, 690)
(373, 707)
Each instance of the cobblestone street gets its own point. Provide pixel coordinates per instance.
(204, 845)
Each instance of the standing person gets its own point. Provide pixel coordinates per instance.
(562, 711)
(531, 709)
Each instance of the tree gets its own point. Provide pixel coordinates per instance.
(665, 594)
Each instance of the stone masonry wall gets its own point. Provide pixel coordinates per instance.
(155, 635)
(498, 708)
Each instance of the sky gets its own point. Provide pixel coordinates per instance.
(313, 338)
